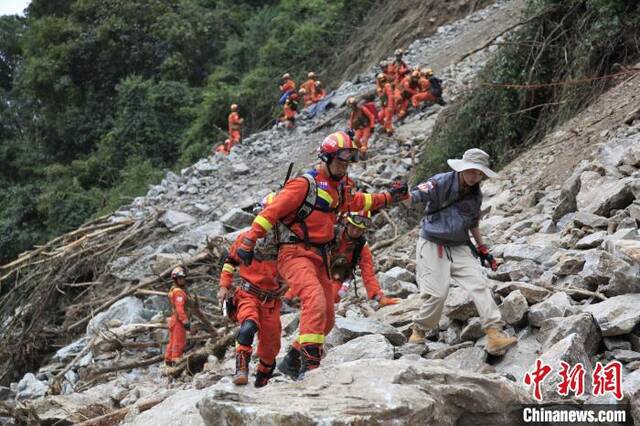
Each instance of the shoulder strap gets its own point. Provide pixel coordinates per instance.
(309, 202)
(357, 251)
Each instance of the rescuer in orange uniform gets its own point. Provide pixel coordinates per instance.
(397, 69)
(306, 210)
(309, 87)
(424, 95)
(408, 87)
(351, 250)
(319, 93)
(235, 125)
(290, 109)
(387, 103)
(179, 321)
(257, 301)
(361, 121)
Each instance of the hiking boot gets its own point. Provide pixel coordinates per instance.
(242, 368)
(263, 374)
(310, 359)
(417, 336)
(498, 342)
(290, 364)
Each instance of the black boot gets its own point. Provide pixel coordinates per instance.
(290, 364)
(242, 368)
(310, 360)
(263, 374)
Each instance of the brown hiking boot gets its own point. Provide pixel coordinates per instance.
(242, 368)
(417, 335)
(498, 342)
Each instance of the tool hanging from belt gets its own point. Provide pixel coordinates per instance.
(264, 295)
(442, 249)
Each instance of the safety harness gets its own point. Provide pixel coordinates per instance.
(261, 294)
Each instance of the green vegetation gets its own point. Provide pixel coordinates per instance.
(99, 98)
(562, 41)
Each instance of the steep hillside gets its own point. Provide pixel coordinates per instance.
(562, 219)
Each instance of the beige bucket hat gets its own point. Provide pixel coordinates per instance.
(473, 158)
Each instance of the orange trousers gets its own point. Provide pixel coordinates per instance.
(361, 138)
(267, 316)
(421, 97)
(385, 116)
(234, 136)
(306, 275)
(289, 115)
(177, 339)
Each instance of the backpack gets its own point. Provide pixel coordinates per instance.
(436, 87)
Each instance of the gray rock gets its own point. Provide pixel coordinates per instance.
(538, 254)
(616, 342)
(591, 240)
(175, 220)
(471, 359)
(514, 308)
(401, 314)
(624, 355)
(472, 331)
(600, 195)
(558, 305)
(567, 199)
(371, 346)
(533, 293)
(30, 388)
(570, 350)
(68, 352)
(237, 219)
(583, 218)
(356, 327)
(599, 266)
(126, 311)
(289, 323)
(625, 280)
(179, 409)
(205, 168)
(568, 264)
(555, 329)
(617, 315)
(459, 305)
(526, 270)
(239, 168)
(402, 289)
(519, 359)
(431, 392)
(631, 388)
(401, 274)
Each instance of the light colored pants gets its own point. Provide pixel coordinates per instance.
(434, 273)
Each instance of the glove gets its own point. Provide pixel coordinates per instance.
(387, 301)
(187, 325)
(486, 258)
(399, 191)
(245, 250)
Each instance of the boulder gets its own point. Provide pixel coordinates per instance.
(617, 315)
(471, 359)
(402, 289)
(533, 293)
(591, 240)
(631, 389)
(401, 274)
(178, 409)
(567, 199)
(126, 311)
(599, 266)
(624, 355)
(538, 254)
(568, 264)
(519, 359)
(239, 168)
(590, 220)
(356, 327)
(472, 331)
(526, 270)
(400, 314)
(370, 346)
(289, 323)
(175, 220)
(30, 388)
(70, 409)
(625, 280)
(409, 390)
(514, 308)
(570, 350)
(628, 249)
(599, 194)
(558, 305)
(236, 219)
(459, 305)
(553, 330)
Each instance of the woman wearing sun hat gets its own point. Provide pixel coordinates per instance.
(444, 252)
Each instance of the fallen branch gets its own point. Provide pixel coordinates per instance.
(117, 416)
(127, 366)
(193, 361)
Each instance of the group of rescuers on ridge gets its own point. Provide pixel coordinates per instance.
(306, 242)
(398, 88)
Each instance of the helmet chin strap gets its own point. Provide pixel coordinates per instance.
(331, 175)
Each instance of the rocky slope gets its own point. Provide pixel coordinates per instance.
(562, 219)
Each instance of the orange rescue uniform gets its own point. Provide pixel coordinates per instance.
(424, 94)
(288, 86)
(305, 268)
(235, 125)
(346, 249)
(310, 88)
(404, 92)
(387, 103)
(396, 71)
(362, 121)
(318, 95)
(264, 313)
(177, 332)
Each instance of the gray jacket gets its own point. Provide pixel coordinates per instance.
(448, 216)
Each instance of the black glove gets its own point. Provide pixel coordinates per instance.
(399, 191)
(187, 325)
